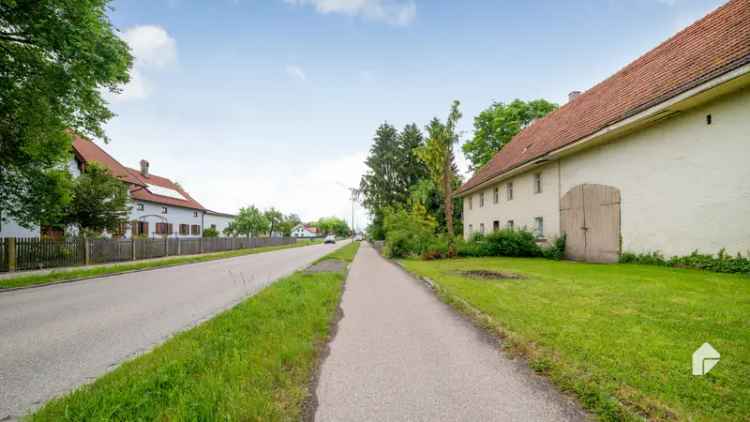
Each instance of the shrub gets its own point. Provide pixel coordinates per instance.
(507, 242)
(438, 248)
(407, 232)
(210, 232)
(556, 251)
(721, 262)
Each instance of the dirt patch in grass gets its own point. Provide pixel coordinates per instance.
(490, 275)
(328, 265)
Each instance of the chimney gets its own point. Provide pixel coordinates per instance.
(573, 94)
(144, 168)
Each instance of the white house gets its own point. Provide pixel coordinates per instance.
(305, 231)
(217, 220)
(654, 158)
(159, 208)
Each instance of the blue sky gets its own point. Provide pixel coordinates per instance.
(275, 102)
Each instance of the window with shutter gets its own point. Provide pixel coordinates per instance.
(169, 228)
(196, 229)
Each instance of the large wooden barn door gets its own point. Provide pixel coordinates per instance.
(590, 217)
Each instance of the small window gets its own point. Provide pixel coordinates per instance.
(539, 227)
(163, 210)
(496, 195)
(538, 183)
(509, 225)
(184, 229)
(471, 202)
(139, 206)
(213, 226)
(195, 213)
(481, 228)
(495, 225)
(509, 191)
(481, 200)
(471, 229)
(195, 230)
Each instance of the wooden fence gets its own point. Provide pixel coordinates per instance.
(23, 254)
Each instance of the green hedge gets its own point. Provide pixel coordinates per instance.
(720, 263)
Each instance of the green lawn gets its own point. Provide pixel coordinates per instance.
(253, 362)
(618, 336)
(75, 274)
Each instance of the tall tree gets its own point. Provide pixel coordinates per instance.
(437, 154)
(56, 59)
(100, 201)
(288, 223)
(274, 217)
(495, 126)
(250, 222)
(333, 225)
(393, 167)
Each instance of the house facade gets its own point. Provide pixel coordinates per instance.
(159, 206)
(305, 231)
(655, 158)
(217, 220)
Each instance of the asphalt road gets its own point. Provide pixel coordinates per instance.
(58, 337)
(402, 355)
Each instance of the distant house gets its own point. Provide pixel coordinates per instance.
(305, 231)
(159, 207)
(654, 158)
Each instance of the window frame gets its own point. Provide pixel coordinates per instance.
(481, 228)
(539, 227)
(195, 230)
(509, 191)
(164, 210)
(496, 195)
(140, 206)
(510, 224)
(471, 202)
(537, 183)
(481, 200)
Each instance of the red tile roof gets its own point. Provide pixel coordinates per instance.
(716, 44)
(87, 151)
(143, 194)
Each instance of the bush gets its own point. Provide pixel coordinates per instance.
(407, 232)
(438, 248)
(721, 262)
(210, 232)
(507, 242)
(556, 251)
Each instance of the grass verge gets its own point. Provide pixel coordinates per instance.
(252, 362)
(620, 337)
(343, 254)
(91, 272)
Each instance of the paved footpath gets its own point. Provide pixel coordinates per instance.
(402, 355)
(55, 338)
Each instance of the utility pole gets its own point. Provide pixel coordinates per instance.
(354, 197)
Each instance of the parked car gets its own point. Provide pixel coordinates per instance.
(330, 239)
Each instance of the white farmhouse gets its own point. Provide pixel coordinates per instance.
(159, 207)
(654, 158)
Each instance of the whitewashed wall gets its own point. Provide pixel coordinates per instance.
(523, 208)
(9, 228)
(221, 222)
(152, 214)
(685, 185)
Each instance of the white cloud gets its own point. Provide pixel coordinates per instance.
(153, 49)
(296, 72)
(394, 12)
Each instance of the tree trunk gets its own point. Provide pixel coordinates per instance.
(448, 200)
